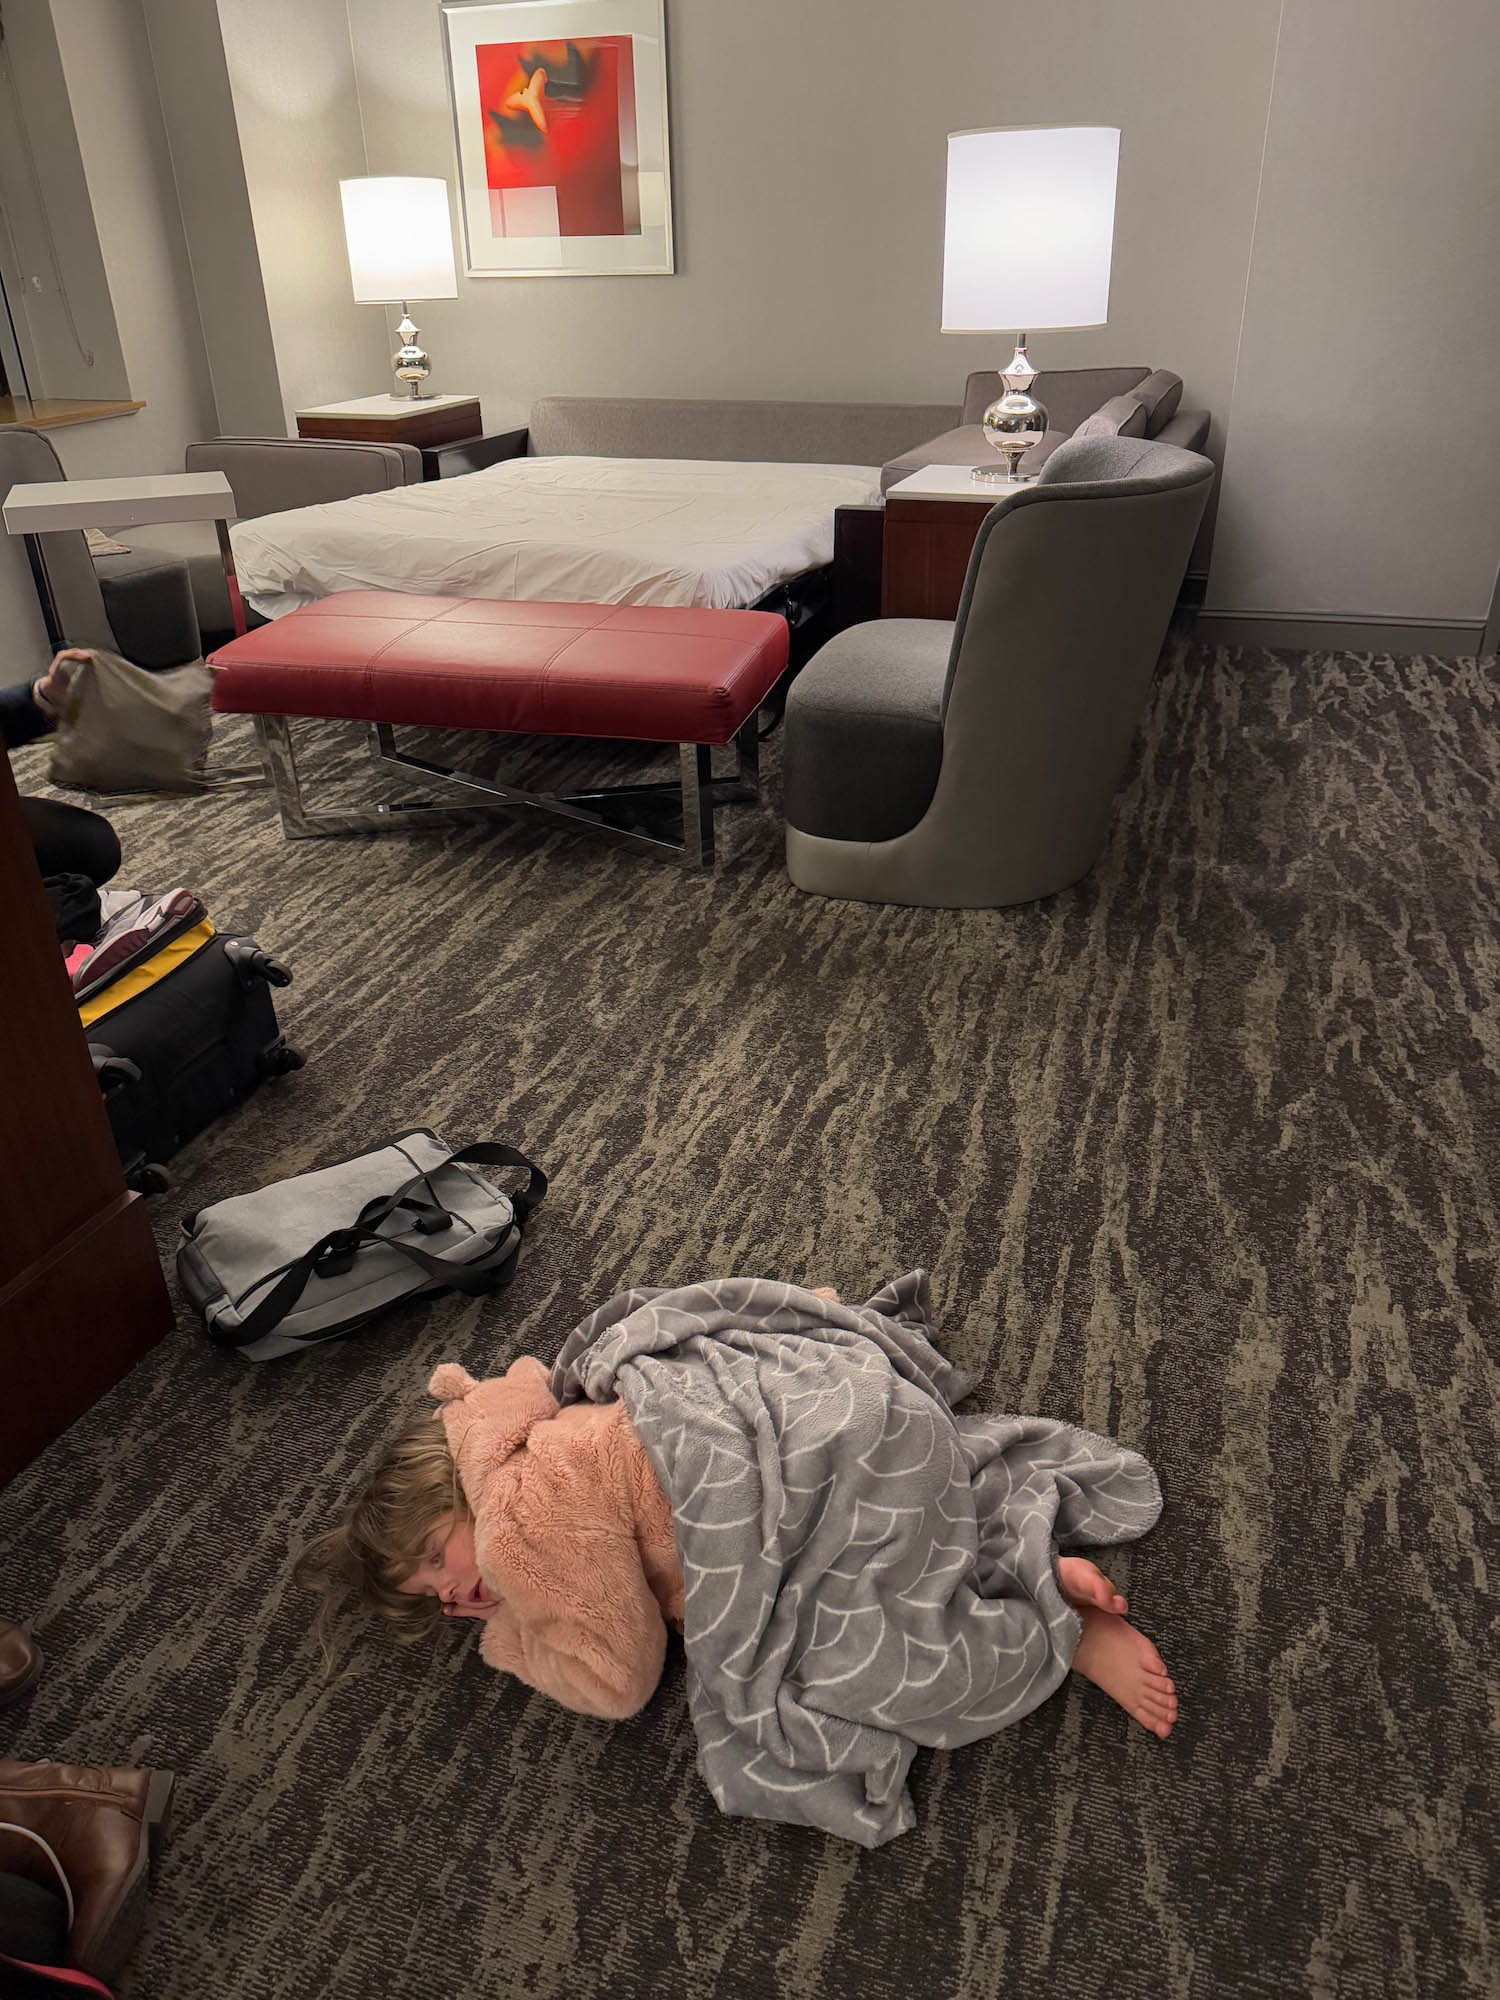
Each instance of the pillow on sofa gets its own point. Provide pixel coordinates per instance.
(1159, 396)
(1121, 416)
(964, 446)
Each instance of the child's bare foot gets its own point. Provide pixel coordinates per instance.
(1122, 1661)
(1084, 1583)
(825, 1292)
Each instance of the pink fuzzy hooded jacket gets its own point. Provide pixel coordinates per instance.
(572, 1532)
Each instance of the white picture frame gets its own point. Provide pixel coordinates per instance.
(541, 161)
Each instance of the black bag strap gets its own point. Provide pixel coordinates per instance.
(490, 1153)
(341, 1244)
(336, 1251)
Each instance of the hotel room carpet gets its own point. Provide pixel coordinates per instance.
(1201, 1153)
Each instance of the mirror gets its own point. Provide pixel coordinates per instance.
(58, 339)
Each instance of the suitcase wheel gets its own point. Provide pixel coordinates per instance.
(113, 1071)
(150, 1179)
(279, 1061)
(251, 963)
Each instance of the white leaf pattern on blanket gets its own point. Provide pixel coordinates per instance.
(865, 1572)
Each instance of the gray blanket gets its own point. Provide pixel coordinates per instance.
(866, 1573)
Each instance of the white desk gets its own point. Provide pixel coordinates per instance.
(118, 503)
(61, 504)
(956, 482)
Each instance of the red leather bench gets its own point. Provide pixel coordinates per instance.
(639, 673)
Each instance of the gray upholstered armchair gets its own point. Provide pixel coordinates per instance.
(269, 476)
(139, 604)
(165, 601)
(973, 764)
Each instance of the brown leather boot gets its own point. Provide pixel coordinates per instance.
(20, 1663)
(100, 1825)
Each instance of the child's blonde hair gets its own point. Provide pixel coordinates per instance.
(359, 1564)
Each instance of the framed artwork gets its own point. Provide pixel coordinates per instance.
(560, 121)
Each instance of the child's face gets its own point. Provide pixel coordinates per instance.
(448, 1571)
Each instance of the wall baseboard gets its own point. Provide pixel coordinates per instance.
(1279, 632)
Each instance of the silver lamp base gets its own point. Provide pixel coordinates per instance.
(1014, 422)
(411, 362)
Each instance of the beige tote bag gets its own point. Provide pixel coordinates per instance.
(120, 729)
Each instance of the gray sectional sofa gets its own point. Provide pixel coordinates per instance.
(1071, 397)
(269, 475)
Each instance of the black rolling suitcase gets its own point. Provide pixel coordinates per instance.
(181, 1028)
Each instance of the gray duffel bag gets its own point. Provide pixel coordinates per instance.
(310, 1258)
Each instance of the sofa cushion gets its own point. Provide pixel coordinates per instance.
(1188, 428)
(1159, 396)
(148, 600)
(755, 432)
(1121, 416)
(965, 446)
(864, 730)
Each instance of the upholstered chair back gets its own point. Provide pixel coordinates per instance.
(1069, 593)
(974, 765)
(27, 458)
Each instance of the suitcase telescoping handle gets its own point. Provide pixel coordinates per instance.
(334, 1253)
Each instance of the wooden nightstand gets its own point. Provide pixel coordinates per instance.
(434, 424)
(931, 519)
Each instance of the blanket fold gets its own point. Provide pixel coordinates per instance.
(866, 1573)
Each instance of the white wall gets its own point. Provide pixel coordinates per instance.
(298, 118)
(107, 62)
(54, 274)
(122, 142)
(1363, 469)
(808, 169)
(187, 53)
(808, 149)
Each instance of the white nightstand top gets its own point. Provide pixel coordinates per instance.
(385, 409)
(954, 482)
(118, 503)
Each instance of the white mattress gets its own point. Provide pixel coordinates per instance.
(578, 530)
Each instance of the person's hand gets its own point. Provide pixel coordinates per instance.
(825, 1292)
(51, 691)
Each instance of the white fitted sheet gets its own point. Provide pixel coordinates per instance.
(705, 533)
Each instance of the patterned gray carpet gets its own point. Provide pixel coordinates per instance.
(1200, 1153)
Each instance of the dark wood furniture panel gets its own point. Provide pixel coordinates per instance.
(858, 534)
(927, 544)
(82, 1295)
(416, 425)
(451, 461)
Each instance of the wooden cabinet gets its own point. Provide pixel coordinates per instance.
(931, 519)
(926, 552)
(431, 423)
(82, 1296)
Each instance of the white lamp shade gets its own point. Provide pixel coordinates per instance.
(1029, 228)
(400, 239)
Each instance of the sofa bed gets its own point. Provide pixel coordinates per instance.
(705, 505)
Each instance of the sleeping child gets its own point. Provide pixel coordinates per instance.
(780, 1477)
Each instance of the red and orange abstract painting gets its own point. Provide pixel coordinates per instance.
(560, 150)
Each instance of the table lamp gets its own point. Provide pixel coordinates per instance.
(1028, 232)
(400, 248)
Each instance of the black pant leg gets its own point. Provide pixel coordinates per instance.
(70, 841)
